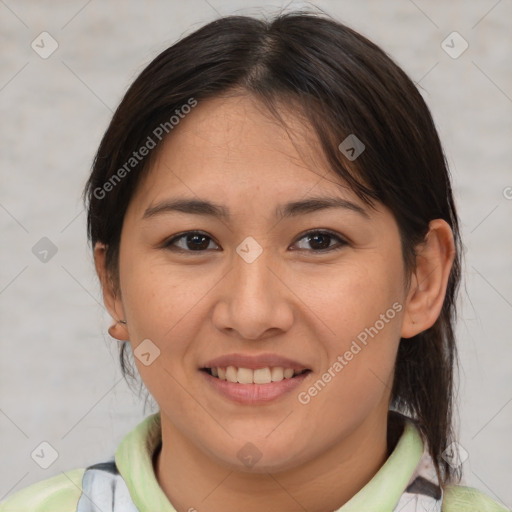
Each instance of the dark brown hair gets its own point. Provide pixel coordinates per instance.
(342, 84)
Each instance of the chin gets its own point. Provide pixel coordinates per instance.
(259, 456)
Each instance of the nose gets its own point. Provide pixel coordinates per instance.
(254, 301)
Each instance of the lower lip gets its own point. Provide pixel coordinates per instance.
(253, 393)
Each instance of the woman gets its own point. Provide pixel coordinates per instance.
(276, 238)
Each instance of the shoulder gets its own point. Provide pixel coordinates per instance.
(60, 493)
(458, 498)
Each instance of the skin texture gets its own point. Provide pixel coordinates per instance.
(300, 303)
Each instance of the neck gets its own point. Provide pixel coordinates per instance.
(193, 480)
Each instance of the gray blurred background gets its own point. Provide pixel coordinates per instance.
(59, 375)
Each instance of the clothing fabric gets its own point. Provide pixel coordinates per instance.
(407, 482)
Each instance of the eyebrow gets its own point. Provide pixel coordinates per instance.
(211, 209)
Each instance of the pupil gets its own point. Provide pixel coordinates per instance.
(313, 239)
(202, 244)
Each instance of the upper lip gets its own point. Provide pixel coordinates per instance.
(254, 362)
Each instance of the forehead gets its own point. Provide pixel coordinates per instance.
(233, 150)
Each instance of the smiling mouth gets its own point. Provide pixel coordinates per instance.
(265, 375)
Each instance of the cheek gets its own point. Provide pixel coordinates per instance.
(358, 376)
(167, 305)
(364, 313)
(160, 297)
(355, 296)
(164, 305)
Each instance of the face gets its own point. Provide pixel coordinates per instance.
(279, 285)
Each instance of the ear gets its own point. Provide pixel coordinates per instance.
(429, 279)
(111, 296)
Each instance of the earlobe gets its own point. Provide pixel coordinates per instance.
(434, 260)
(119, 331)
(111, 297)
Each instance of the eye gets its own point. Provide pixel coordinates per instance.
(191, 241)
(320, 241)
(196, 241)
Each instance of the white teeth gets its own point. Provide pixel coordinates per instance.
(277, 374)
(231, 374)
(244, 376)
(259, 376)
(262, 376)
(288, 373)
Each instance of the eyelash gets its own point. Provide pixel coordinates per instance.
(169, 244)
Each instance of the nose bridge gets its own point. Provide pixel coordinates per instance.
(252, 295)
(251, 269)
